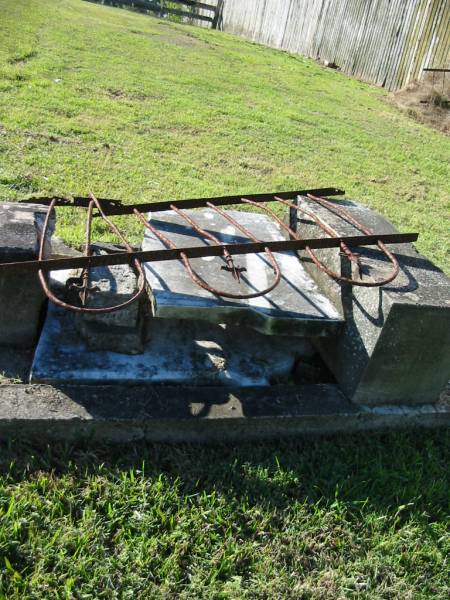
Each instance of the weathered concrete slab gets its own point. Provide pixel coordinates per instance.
(173, 414)
(177, 351)
(395, 347)
(294, 307)
(21, 297)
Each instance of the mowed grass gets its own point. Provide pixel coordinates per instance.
(101, 99)
(362, 516)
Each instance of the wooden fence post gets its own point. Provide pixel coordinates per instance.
(217, 19)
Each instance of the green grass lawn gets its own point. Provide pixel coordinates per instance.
(102, 99)
(362, 516)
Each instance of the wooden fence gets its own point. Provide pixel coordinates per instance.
(387, 42)
(200, 11)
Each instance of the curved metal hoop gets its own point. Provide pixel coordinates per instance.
(83, 309)
(329, 231)
(344, 214)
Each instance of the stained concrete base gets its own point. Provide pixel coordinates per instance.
(21, 296)
(174, 414)
(177, 352)
(123, 330)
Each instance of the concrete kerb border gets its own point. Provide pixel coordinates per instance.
(119, 414)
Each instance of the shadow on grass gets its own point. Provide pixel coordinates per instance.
(370, 471)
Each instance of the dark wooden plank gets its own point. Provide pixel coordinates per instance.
(183, 13)
(196, 4)
(156, 7)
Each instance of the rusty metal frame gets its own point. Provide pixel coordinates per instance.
(106, 207)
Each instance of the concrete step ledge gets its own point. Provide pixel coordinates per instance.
(171, 414)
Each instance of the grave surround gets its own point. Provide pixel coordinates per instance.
(194, 337)
(388, 349)
(21, 296)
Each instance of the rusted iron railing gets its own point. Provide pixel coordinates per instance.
(103, 208)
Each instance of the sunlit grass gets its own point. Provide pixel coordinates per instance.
(362, 516)
(103, 99)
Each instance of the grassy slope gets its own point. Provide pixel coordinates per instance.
(97, 98)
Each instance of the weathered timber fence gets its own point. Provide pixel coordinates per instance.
(200, 11)
(386, 42)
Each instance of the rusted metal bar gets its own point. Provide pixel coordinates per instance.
(312, 255)
(345, 250)
(87, 252)
(74, 202)
(115, 207)
(121, 258)
(329, 230)
(207, 234)
(249, 235)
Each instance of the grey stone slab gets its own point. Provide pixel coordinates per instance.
(395, 346)
(21, 297)
(59, 249)
(177, 351)
(19, 225)
(113, 285)
(173, 414)
(294, 307)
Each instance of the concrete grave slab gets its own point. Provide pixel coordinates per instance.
(177, 351)
(395, 346)
(295, 307)
(21, 297)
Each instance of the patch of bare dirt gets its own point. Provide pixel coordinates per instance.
(427, 100)
(55, 139)
(117, 94)
(170, 35)
(183, 41)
